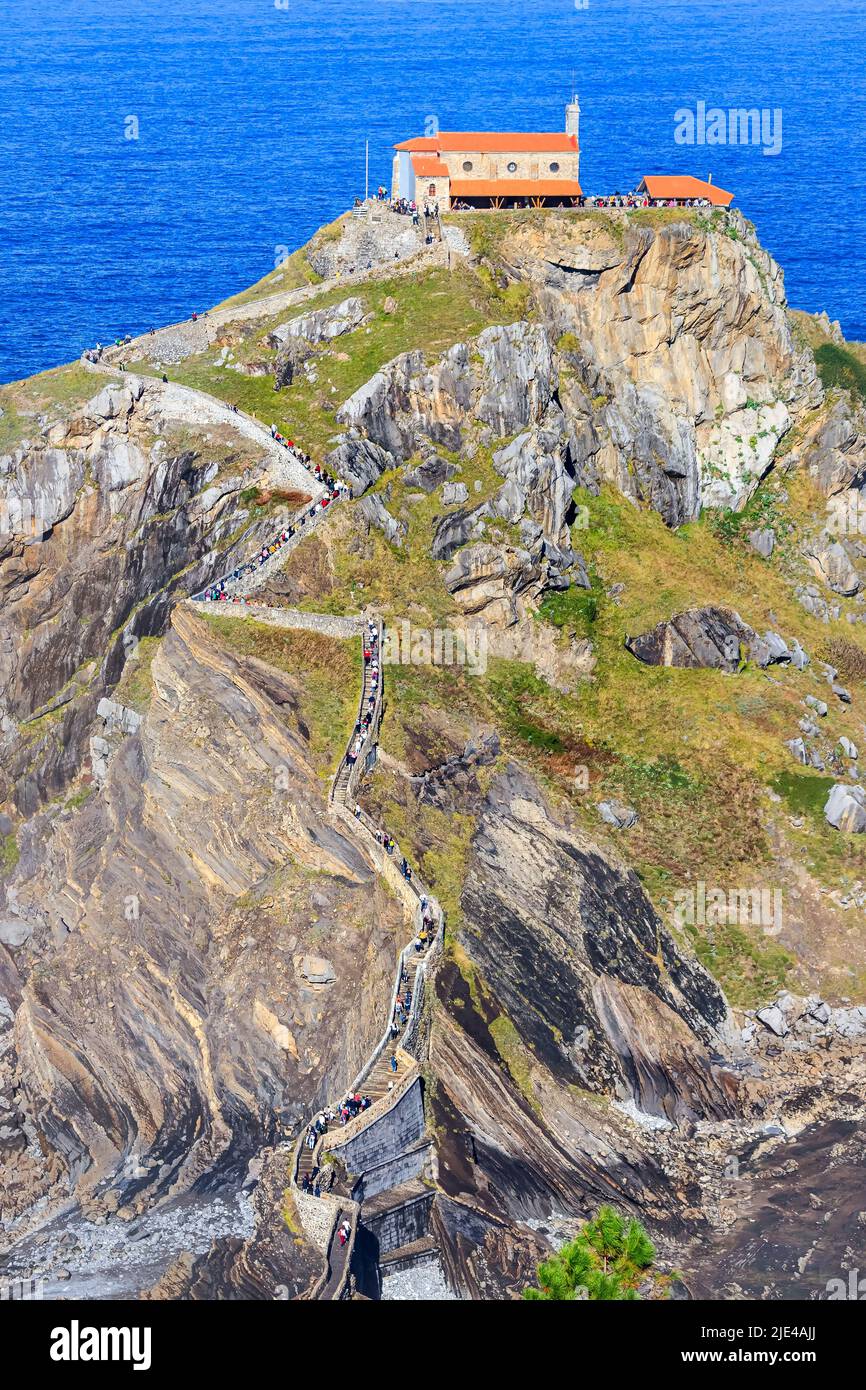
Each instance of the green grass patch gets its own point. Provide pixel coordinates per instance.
(804, 793)
(434, 310)
(575, 609)
(135, 686)
(750, 969)
(9, 852)
(840, 369)
(515, 1056)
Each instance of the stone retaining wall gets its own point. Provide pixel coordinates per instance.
(293, 618)
(402, 1225)
(403, 1167)
(384, 1139)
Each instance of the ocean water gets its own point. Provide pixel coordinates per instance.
(251, 120)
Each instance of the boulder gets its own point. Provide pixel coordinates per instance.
(430, 474)
(14, 931)
(454, 492)
(848, 749)
(318, 970)
(321, 325)
(820, 707)
(617, 814)
(456, 529)
(359, 462)
(375, 513)
(849, 1023)
(763, 541)
(774, 1019)
(832, 563)
(769, 650)
(845, 808)
(799, 750)
(699, 637)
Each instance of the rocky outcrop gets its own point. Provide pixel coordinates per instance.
(504, 379)
(296, 340)
(846, 808)
(571, 991)
(832, 564)
(665, 359)
(711, 637)
(127, 513)
(833, 448)
(375, 513)
(685, 334)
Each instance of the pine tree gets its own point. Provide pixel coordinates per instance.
(606, 1262)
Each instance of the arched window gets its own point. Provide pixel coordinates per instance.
(431, 191)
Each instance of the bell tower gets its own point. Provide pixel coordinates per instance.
(572, 126)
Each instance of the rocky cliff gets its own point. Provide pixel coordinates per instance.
(595, 450)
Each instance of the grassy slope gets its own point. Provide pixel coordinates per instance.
(701, 755)
(48, 397)
(433, 311)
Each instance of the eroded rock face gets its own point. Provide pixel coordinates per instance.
(686, 336)
(504, 379)
(296, 339)
(833, 448)
(578, 998)
(174, 1002)
(832, 564)
(123, 511)
(663, 363)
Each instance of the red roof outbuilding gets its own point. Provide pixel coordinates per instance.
(681, 186)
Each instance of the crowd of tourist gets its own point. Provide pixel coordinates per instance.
(220, 591)
(641, 200)
(368, 713)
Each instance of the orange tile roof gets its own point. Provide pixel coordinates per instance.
(428, 166)
(684, 186)
(492, 142)
(515, 188)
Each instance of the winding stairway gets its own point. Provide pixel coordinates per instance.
(384, 1084)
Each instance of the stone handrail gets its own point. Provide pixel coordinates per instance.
(178, 394)
(411, 892)
(336, 1138)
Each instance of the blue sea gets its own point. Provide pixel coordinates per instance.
(249, 120)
